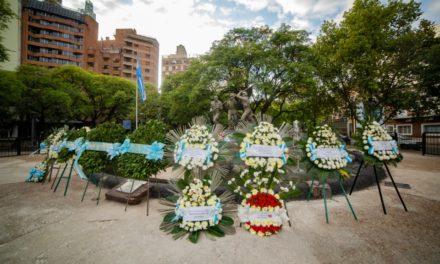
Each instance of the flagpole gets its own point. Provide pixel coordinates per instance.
(137, 65)
(137, 107)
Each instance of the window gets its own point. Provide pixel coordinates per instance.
(433, 127)
(390, 129)
(404, 129)
(147, 70)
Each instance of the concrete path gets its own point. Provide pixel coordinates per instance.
(39, 226)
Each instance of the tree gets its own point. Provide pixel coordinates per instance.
(186, 95)
(273, 67)
(11, 90)
(371, 57)
(44, 98)
(6, 15)
(96, 98)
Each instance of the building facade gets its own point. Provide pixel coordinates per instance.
(118, 56)
(52, 35)
(174, 63)
(11, 38)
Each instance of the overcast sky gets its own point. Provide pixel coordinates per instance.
(197, 23)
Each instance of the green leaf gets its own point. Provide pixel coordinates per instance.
(176, 229)
(181, 184)
(227, 221)
(216, 231)
(194, 236)
(169, 217)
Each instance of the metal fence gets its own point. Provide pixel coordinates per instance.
(16, 147)
(431, 143)
(409, 142)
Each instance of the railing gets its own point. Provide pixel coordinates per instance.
(16, 147)
(409, 142)
(431, 143)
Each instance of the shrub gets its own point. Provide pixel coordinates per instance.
(136, 166)
(64, 155)
(97, 161)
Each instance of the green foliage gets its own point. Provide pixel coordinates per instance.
(186, 95)
(43, 97)
(137, 166)
(372, 57)
(65, 154)
(96, 98)
(98, 161)
(6, 15)
(11, 90)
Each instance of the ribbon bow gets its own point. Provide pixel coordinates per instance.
(243, 153)
(79, 151)
(155, 151)
(76, 144)
(283, 148)
(313, 152)
(119, 149)
(217, 210)
(371, 148)
(180, 150)
(57, 148)
(345, 153)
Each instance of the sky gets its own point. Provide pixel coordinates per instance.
(197, 23)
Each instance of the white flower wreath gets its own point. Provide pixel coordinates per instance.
(378, 143)
(264, 148)
(196, 148)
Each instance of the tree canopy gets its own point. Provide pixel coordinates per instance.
(373, 57)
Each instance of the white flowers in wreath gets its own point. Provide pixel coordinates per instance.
(197, 148)
(378, 143)
(264, 148)
(325, 151)
(198, 195)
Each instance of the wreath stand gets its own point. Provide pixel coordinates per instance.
(325, 196)
(64, 177)
(378, 185)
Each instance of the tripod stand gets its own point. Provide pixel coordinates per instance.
(378, 185)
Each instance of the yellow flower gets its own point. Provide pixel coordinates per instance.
(344, 173)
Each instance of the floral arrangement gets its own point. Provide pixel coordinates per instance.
(197, 148)
(198, 209)
(264, 150)
(377, 143)
(36, 174)
(264, 136)
(262, 212)
(325, 151)
(54, 140)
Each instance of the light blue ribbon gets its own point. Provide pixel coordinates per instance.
(57, 148)
(217, 211)
(243, 153)
(76, 144)
(178, 214)
(283, 157)
(180, 150)
(313, 152)
(79, 151)
(119, 149)
(345, 153)
(394, 149)
(154, 151)
(371, 148)
(209, 156)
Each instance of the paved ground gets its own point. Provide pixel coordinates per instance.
(39, 226)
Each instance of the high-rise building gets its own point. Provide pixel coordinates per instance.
(175, 62)
(11, 38)
(118, 56)
(52, 35)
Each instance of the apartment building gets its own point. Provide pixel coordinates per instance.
(118, 56)
(52, 35)
(174, 63)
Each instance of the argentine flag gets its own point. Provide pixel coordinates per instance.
(140, 81)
